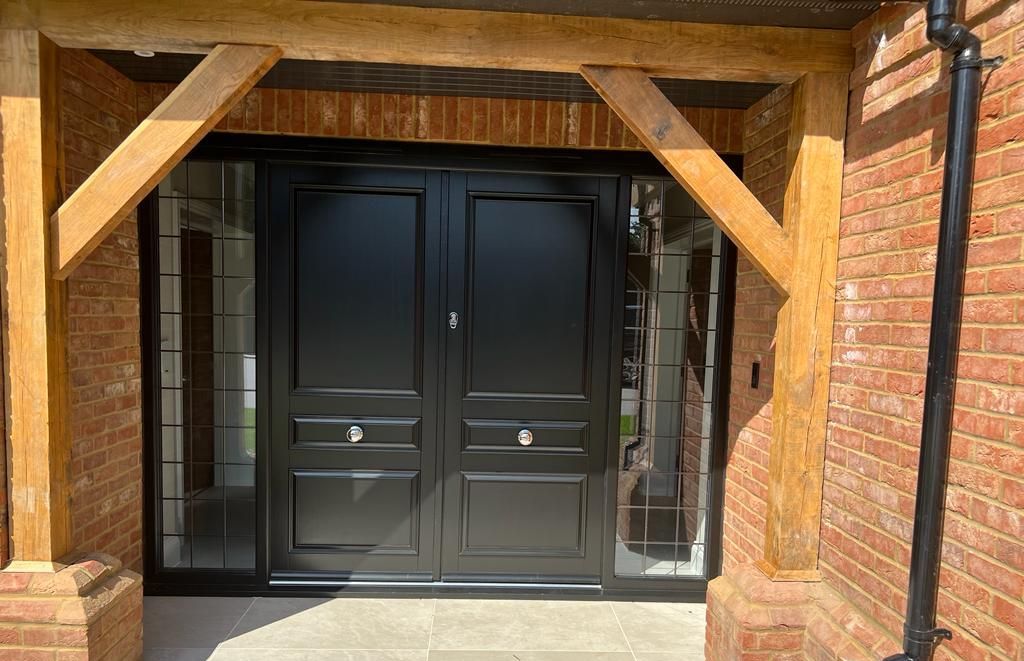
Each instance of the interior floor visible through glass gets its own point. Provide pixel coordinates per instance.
(666, 419)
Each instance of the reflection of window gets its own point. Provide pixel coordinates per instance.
(207, 337)
(669, 347)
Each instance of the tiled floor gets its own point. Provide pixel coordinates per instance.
(349, 629)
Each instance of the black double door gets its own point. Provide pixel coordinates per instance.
(440, 355)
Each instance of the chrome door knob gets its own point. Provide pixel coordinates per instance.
(525, 437)
(355, 433)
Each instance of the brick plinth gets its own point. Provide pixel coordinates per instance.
(752, 618)
(90, 610)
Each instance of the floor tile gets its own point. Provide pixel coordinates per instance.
(477, 655)
(526, 625)
(662, 627)
(318, 655)
(339, 624)
(190, 622)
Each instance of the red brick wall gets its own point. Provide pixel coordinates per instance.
(900, 95)
(765, 134)
(98, 111)
(535, 123)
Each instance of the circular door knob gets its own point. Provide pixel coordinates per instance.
(355, 433)
(525, 437)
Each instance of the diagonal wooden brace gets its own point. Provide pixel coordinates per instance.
(696, 166)
(153, 149)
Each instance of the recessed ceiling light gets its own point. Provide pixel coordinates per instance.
(144, 53)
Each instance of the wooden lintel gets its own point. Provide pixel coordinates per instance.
(804, 334)
(702, 172)
(35, 304)
(386, 33)
(153, 149)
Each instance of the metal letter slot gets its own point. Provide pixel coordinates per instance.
(525, 437)
(355, 433)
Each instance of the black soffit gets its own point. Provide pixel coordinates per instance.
(828, 14)
(439, 81)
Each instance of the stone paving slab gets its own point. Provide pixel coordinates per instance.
(356, 629)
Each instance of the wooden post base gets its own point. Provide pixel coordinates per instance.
(776, 574)
(89, 609)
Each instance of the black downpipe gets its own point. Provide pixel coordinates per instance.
(920, 635)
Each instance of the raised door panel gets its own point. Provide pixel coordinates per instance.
(529, 301)
(541, 437)
(358, 290)
(517, 514)
(356, 511)
(328, 433)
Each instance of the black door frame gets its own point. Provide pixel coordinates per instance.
(298, 150)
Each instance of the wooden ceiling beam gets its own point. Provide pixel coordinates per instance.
(696, 166)
(153, 149)
(312, 30)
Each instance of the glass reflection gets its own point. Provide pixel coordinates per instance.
(668, 369)
(207, 225)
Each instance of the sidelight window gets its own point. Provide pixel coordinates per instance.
(670, 344)
(206, 335)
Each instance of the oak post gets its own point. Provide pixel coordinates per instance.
(35, 304)
(811, 213)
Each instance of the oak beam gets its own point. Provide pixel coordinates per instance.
(811, 213)
(696, 166)
(35, 359)
(153, 149)
(386, 33)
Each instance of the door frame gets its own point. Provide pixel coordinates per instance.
(374, 153)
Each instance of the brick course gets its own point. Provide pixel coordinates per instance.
(472, 120)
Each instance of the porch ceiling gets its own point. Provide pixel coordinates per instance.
(441, 81)
(829, 14)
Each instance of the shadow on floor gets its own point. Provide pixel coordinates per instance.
(351, 629)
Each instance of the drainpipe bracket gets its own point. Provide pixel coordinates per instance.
(928, 637)
(967, 62)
